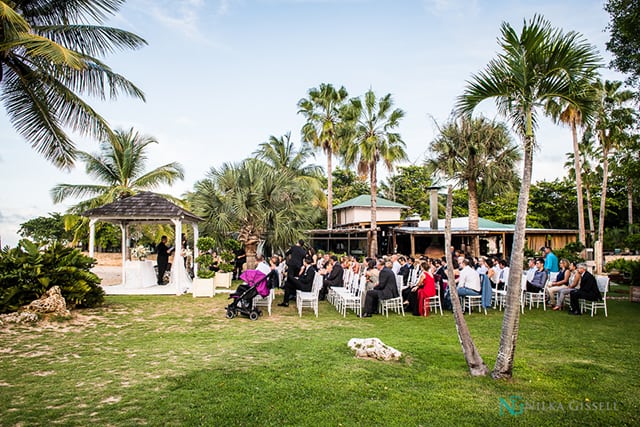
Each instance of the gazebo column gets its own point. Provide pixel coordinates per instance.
(123, 232)
(178, 264)
(196, 236)
(92, 236)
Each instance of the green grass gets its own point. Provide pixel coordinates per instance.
(177, 361)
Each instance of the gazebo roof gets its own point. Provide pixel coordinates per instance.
(142, 207)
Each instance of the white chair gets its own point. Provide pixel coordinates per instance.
(434, 301)
(500, 295)
(259, 301)
(603, 286)
(539, 297)
(353, 299)
(394, 304)
(310, 299)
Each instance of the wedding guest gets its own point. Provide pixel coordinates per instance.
(163, 258)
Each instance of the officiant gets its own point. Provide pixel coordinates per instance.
(163, 258)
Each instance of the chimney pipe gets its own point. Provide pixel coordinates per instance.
(433, 207)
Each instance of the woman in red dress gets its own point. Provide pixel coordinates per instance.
(426, 288)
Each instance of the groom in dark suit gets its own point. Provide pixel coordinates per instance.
(304, 282)
(386, 288)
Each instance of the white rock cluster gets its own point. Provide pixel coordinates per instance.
(373, 348)
(18, 317)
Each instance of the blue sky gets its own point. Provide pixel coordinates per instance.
(221, 76)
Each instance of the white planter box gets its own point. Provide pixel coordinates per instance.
(222, 280)
(202, 287)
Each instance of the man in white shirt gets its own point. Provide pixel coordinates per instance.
(468, 281)
(532, 269)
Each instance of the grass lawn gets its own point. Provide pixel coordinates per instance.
(178, 361)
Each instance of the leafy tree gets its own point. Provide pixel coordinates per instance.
(408, 186)
(501, 208)
(322, 111)
(255, 200)
(373, 122)
(625, 37)
(49, 59)
(120, 170)
(538, 64)
(347, 185)
(476, 153)
(552, 204)
(46, 229)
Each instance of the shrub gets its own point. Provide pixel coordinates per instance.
(205, 259)
(571, 252)
(28, 271)
(629, 269)
(632, 242)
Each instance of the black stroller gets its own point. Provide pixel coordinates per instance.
(255, 284)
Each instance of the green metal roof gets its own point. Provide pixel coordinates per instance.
(365, 201)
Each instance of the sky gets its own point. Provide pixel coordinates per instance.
(222, 76)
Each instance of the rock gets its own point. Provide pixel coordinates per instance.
(373, 348)
(18, 317)
(50, 302)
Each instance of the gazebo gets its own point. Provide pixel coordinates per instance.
(145, 207)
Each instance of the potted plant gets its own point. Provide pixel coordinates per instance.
(203, 285)
(225, 274)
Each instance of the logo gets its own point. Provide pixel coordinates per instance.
(514, 406)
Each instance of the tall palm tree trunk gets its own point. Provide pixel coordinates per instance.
(510, 322)
(329, 191)
(373, 248)
(473, 217)
(477, 367)
(592, 226)
(630, 203)
(582, 235)
(603, 201)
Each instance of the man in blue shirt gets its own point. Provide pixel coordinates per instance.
(550, 260)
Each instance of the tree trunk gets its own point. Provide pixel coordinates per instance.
(630, 203)
(511, 320)
(582, 235)
(592, 226)
(373, 248)
(473, 217)
(603, 200)
(477, 367)
(329, 191)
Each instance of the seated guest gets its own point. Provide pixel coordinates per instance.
(561, 282)
(588, 289)
(468, 280)
(425, 288)
(333, 275)
(504, 274)
(303, 282)
(574, 283)
(386, 288)
(405, 269)
(536, 284)
(531, 270)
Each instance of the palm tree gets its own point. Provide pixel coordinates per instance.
(120, 170)
(476, 152)
(614, 119)
(322, 112)
(537, 65)
(255, 200)
(48, 60)
(566, 113)
(589, 173)
(372, 123)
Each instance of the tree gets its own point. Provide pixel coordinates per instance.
(46, 229)
(475, 152)
(566, 113)
(256, 201)
(625, 37)
(48, 60)
(539, 64)
(322, 111)
(408, 186)
(347, 185)
(282, 155)
(614, 120)
(119, 168)
(372, 123)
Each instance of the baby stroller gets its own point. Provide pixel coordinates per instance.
(255, 284)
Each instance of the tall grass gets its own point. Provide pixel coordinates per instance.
(177, 361)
